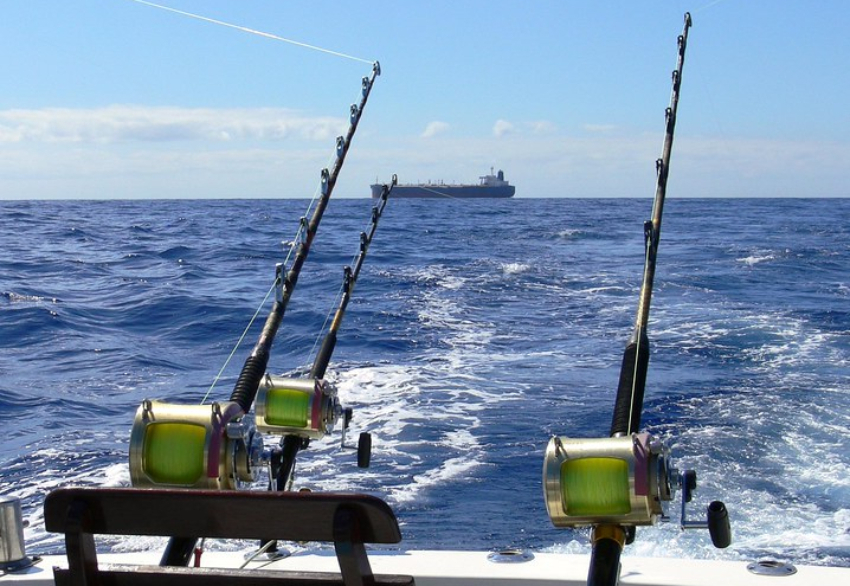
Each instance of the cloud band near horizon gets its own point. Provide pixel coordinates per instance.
(122, 123)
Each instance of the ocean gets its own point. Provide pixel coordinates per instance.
(477, 330)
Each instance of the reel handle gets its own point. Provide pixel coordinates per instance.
(364, 450)
(718, 525)
(717, 517)
(364, 442)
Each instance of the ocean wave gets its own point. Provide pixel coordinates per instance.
(470, 340)
(570, 233)
(515, 268)
(755, 259)
(13, 297)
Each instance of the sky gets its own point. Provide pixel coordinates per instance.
(105, 99)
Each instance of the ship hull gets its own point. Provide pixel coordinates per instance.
(447, 191)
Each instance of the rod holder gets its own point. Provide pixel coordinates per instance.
(13, 553)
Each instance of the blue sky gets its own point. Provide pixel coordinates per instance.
(115, 99)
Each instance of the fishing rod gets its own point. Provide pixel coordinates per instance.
(294, 440)
(630, 391)
(255, 365)
(215, 446)
(616, 483)
(609, 539)
(323, 357)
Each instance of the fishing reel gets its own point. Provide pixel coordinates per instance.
(308, 408)
(216, 447)
(193, 446)
(305, 408)
(620, 481)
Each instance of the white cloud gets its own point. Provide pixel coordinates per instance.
(599, 128)
(502, 127)
(435, 128)
(615, 165)
(255, 161)
(542, 127)
(163, 124)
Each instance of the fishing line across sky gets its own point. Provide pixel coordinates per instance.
(119, 98)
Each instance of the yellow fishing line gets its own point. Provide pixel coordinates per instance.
(595, 486)
(287, 408)
(174, 453)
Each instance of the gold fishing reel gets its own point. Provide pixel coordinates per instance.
(193, 446)
(621, 482)
(308, 408)
(616, 480)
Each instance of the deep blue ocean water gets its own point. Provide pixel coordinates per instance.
(478, 329)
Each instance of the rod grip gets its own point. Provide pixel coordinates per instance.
(323, 358)
(604, 563)
(627, 409)
(245, 390)
(179, 551)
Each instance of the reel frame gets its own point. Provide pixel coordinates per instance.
(616, 480)
(308, 408)
(193, 446)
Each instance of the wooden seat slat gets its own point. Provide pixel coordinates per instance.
(236, 514)
(347, 520)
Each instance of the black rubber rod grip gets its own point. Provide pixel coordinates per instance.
(323, 358)
(604, 563)
(628, 408)
(178, 552)
(249, 380)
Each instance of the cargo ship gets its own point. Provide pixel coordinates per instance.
(489, 186)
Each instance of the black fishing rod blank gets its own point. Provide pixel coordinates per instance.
(245, 390)
(630, 391)
(616, 483)
(323, 357)
(300, 410)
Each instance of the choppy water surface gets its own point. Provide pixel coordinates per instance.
(477, 330)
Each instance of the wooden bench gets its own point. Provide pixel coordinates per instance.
(347, 520)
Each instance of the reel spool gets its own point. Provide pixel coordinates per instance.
(308, 408)
(192, 446)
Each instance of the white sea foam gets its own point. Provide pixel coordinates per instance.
(755, 259)
(515, 268)
(569, 233)
(423, 416)
(19, 298)
(117, 475)
(592, 291)
(393, 403)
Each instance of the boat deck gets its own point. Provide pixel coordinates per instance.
(469, 568)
